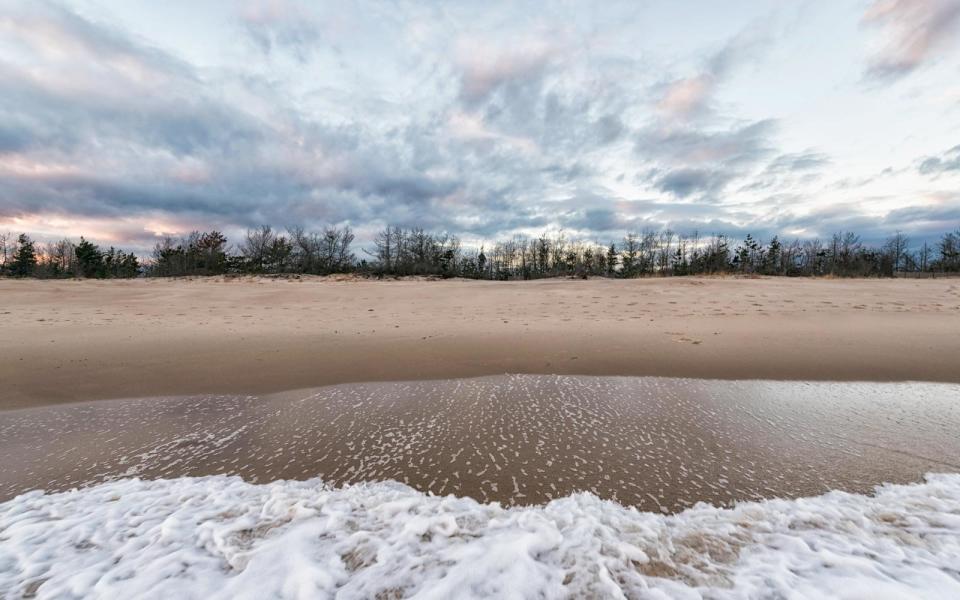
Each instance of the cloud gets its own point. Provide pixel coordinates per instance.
(738, 145)
(692, 96)
(520, 128)
(690, 161)
(608, 128)
(792, 163)
(70, 145)
(689, 96)
(912, 32)
(486, 67)
(788, 170)
(935, 165)
(281, 25)
(14, 137)
(685, 182)
(937, 214)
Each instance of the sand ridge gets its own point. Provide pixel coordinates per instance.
(66, 341)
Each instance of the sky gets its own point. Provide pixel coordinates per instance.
(129, 120)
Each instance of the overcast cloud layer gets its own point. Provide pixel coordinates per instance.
(125, 120)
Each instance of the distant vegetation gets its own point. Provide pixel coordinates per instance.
(397, 251)
(20, 256)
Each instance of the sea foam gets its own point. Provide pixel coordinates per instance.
(221, 537)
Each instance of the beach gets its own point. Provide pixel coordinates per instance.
(71, 341)
(313, 437)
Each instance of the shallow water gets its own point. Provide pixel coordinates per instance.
(654, 443)
(221, 537)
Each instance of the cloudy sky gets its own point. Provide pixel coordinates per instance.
(125, 120)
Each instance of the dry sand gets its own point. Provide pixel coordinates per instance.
(65, 341)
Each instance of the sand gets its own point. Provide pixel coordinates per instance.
(69, 341)
(146, 385)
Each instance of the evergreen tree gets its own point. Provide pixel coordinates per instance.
(24, 258)
(89, 259)
(211, 248)
(680, 266)
(129, 265)
(612, 256)
(773, 257)
(481, 263)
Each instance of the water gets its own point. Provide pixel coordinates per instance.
(657, 444)
(223, 538)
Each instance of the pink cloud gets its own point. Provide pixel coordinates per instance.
(138, 232)
(686, 97)
(486, 66)
(912, 31)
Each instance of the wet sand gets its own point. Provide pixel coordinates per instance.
(68, 341)
(656, 443)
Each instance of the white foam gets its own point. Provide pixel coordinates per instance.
(220, 537)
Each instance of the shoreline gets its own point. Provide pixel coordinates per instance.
(74, 341)
(516, 439)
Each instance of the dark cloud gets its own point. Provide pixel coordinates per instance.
(596, 219)
(14, 138)
(186, 151)
(923, 222)
(686, 182)
(936, 218)
(695, 161)
(739, 145)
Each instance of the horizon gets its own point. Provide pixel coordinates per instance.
(129, 121)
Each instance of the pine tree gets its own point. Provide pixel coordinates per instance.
(773, 257)
(24, 258)
(612, 260)
(482, 263)
(89, 259)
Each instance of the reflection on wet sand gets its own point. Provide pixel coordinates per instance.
(655, 443)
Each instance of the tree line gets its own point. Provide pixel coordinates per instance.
(21, 256)
(397, 251)
(261, 251)
(652, 252)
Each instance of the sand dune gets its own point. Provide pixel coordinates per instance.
(68, 341)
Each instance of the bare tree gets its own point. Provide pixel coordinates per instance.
(335, 252)
(256, 246)
(896, 247)
(385, 250)
(4, 250)
(926, 252)
(949, 247)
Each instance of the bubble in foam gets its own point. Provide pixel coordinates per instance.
(221, 537)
